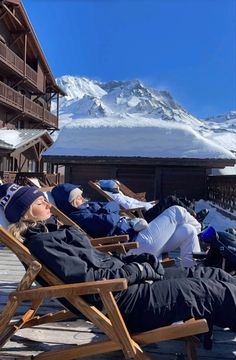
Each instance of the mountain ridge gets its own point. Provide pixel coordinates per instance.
(130, 100)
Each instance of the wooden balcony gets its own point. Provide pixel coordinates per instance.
(13, 99)
(9, 58)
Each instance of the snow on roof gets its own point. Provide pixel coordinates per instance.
(13, 138)
(133, 137)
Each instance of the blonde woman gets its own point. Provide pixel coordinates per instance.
(154, 296)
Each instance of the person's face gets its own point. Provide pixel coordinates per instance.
(40, 209)
(79, 200)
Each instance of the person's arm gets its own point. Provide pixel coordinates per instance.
(96, 222)
(80, 264)
(108, 207)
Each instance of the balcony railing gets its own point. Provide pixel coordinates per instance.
(20, 178)
(222, 191)
(18, 101)
(16, 63)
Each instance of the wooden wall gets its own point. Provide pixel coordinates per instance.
(157, 181)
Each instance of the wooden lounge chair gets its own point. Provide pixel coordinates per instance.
(132, 213)
(109, 321)
(138, 196)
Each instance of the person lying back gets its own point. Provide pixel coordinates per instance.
(155, 297)
(174, 228)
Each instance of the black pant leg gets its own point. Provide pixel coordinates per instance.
(147, 306)
(156, 210)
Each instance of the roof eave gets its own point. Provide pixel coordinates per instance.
(194, 162)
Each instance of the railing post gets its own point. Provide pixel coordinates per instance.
(23, 104)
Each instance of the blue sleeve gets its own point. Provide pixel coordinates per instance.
(96, 224)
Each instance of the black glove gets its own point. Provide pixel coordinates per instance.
(147, 258)
(149, 273)
(138, 273)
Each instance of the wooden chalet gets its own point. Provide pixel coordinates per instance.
(144, 158)
(27, 85)
(21, 148)
(157, 176)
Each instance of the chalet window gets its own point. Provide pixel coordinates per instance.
(31, 166)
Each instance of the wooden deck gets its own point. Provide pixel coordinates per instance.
(31, 341)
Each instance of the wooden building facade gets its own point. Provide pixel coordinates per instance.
(27, 85)
(157, 176)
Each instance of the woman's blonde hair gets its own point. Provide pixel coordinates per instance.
(19, 228)
(74, 203)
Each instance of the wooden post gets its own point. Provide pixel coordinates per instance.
(25, 52)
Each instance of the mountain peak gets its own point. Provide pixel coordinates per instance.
(119, 98)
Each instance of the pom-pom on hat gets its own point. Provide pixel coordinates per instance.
(16, 200)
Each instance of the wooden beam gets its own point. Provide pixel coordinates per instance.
(25, 52)
(14, 2)
(3, 14)
(12, 15)
(15, 117)
(16, 38)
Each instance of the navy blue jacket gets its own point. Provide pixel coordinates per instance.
(96, 218)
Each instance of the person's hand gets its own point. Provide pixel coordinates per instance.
(148, 273)
(140, 272)
(144, 257)
(139, 224)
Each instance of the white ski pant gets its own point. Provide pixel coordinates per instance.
(174, 228)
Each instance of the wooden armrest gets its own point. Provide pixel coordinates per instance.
(141, 196)
(70, 290)
(121, 248)
(129, 212)
(141, 193)
(110, 240)
(133, 209)
(168, 262)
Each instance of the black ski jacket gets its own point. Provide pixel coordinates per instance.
(148, 302)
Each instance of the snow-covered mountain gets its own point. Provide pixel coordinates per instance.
(126, 102)
(229, 117)
(222, 129)
(88, 99)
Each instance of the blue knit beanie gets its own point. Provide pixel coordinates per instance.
(16, 200)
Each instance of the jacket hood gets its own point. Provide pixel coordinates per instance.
(61, 195)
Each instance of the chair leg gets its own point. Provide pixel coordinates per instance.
(130, 348)
(7, 329)
(191, 344)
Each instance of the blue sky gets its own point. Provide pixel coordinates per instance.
(187, 47)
